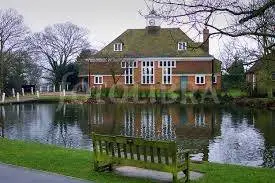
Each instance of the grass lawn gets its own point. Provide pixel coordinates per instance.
(236, 93)
(78, 163)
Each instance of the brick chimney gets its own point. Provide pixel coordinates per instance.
(206, 40)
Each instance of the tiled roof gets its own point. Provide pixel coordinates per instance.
(258, 65)
(162, 42)
(100, 68)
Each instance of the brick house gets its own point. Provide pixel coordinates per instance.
(261, 76)
(153, 57)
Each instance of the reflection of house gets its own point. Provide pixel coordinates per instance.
(129, 123)
(154, 56)
(160, 122)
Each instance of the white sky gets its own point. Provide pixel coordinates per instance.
(105, 19)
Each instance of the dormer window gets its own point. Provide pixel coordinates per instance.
(182, 46)
(118, 47)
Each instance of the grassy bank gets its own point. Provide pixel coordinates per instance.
(78, 163)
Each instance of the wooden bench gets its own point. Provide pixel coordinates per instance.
(149, 154)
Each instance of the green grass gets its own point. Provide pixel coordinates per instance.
(236, 93)
(78, 163)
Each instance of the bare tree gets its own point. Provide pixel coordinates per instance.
(232, 18)
(12, 35)
(57, 46)
(113, 64)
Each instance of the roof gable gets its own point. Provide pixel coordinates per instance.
(162, 42)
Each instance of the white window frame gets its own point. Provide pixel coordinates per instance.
(182, 46)
(118, 47)
(215, 79)
(96, 80)
(150, 68)
(166, 75)
(173, 64)
(129, 76)
(125, 64)
(200, 76)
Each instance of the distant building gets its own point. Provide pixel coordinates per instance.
(154, 57)
(261, 76)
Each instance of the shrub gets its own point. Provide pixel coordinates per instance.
(197, 95)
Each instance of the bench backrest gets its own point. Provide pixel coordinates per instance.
(164, 152)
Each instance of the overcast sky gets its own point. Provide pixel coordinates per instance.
(105, 19)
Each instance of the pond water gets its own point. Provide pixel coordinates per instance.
(216, 134)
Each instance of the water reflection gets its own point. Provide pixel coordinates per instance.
(230, 135)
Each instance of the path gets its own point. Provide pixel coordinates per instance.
(152, 174)
(12, 174)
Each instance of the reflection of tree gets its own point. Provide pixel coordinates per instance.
(269, 156)
(239, 142)
(63, 127)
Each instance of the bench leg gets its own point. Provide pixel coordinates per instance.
(175, 177)
(187, 175)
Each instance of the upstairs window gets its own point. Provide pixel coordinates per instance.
(171, 64)
(200, 79)
(98, 80)
(182, 46)
(118, 47)
(128, 64)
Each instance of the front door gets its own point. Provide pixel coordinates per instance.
(183, 83)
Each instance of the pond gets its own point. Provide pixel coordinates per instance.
(216, 134)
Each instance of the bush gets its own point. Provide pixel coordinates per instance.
(197, 95)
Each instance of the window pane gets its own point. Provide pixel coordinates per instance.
(168, 63)
(152, 64)
(202, 79)
(152, 79)
(168, 79)
(143, 79)
(148, 79)
(198, 80)
(160, 63)
(273, 76)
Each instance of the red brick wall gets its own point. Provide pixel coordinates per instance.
(176, 80)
